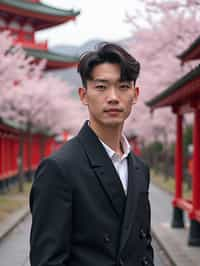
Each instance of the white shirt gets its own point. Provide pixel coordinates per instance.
(120, 163)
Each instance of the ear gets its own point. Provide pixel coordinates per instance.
(136, 94)
(83, 95)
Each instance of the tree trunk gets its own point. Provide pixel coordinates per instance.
(29, 161)
(20, 163)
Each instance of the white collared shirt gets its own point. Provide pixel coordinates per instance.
(120, 163)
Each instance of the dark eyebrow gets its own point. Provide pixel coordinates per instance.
(101, 80)
(107, 81)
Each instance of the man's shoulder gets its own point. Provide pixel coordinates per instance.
(68, 154)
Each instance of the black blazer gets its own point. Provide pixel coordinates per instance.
(80, 214)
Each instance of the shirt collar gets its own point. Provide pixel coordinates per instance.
(125, 146)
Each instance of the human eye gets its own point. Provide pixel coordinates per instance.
(124, 86)
(100, 87)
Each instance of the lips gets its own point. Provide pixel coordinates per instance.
(113, 110)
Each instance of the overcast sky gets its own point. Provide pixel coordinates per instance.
(102, 19)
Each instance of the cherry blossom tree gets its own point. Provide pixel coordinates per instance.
(14, 68)
(31, 99)
(168, 27)
(40, 103)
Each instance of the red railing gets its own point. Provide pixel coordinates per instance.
(9, 152)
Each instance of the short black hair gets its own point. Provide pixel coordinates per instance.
(108, 53)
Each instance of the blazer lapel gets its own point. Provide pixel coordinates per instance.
(135, 176)
(103, 168)
(112, 186)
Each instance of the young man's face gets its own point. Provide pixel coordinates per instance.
(109, 100)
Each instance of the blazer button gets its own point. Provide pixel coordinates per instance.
(142, 234)
(145, 262)
(107, 238)
(148, 241)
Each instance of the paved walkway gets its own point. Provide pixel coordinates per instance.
(174, 241)
(14, 248)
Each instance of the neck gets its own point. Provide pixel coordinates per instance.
(109, 135)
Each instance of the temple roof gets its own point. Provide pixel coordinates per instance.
(192, 52)
(55, 60)
(17, 127)
(39, 8)
(178, 91)
(38, 11)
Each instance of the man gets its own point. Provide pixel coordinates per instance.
(89, 200)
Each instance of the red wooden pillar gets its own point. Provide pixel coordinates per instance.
(35, 152)
(6, 155)
(9, 158)
(177, 218)
(179, 157)
(2, 151)
(25, 154)
(49, 148)
(1, 157)
(194, 235)
(38, 150)
(12, 155)
(15, 148)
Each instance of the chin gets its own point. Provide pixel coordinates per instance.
(113, 123)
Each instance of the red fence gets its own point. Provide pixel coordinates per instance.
(9, 151)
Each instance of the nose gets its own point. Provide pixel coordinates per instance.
(112, 95)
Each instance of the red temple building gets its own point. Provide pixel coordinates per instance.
(23, 18)
(184, 97)
(191, 53)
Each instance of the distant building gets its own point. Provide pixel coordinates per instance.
(23, 18)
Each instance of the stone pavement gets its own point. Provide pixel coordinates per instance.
(12, 221)
(14, 248)
(174, 241)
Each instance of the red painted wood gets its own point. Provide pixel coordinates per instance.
(187, 94)
(15, 152)
(8, 159)
(25, 155)
(193, 55)
(184, 204)
(59, 65)
(48, 147)
(6, 156)
(179, 157)
(9, 151)
(35, 151)
(31, 44)
(1, 157)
